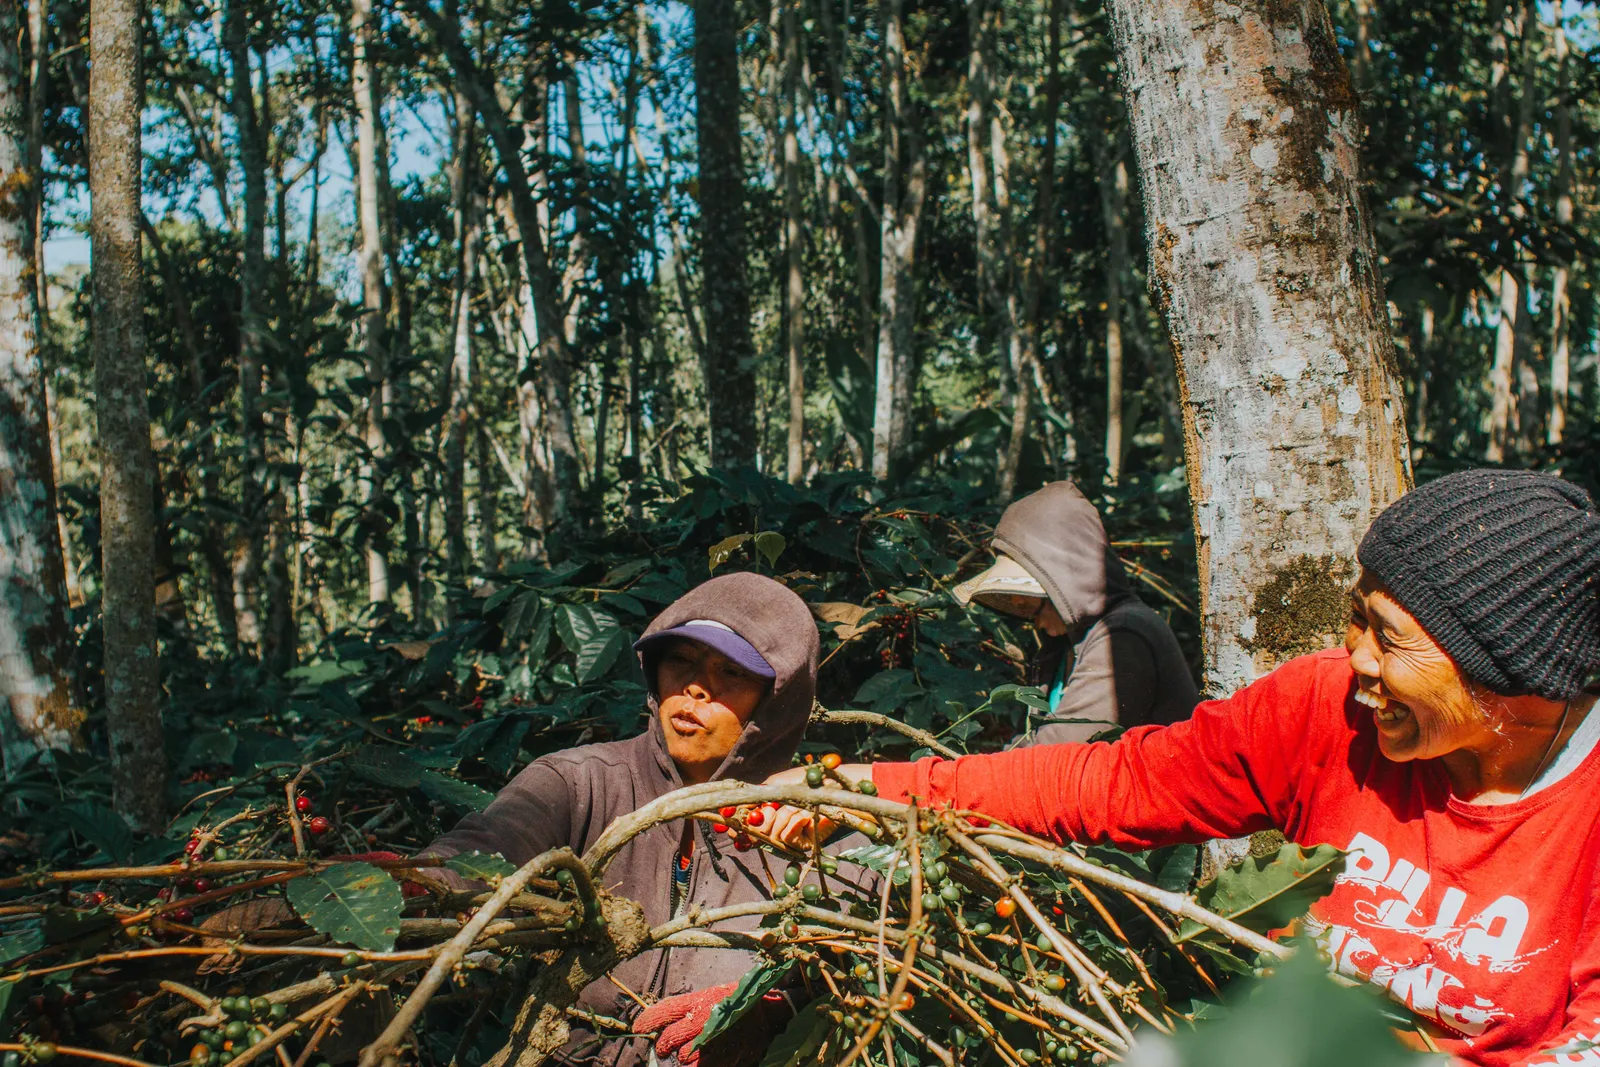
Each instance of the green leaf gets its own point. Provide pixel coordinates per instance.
(1299, 1017)
(101, 827)
(873, 857)
(800, 1040)
(1177, 872)
(771, 544)
(1268, 892)
(30, 938)
(751, 988)
(323, 672)
(383, 765)
(353, 903)
(593, 637)
(454, 793)
(719, 553)
(481, 866)
(521, 615)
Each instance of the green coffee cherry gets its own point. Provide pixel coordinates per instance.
(780, 891)
(931, 902)
(792, 875)
(950, 892)
(563, 877)
(811, 893)
(259, 1006)
(1042, 943)
(234, 1030)
(278, 1013)
(814, 776)
(867, 787)
(983, 929)
(350, 959)
(1027, 1055)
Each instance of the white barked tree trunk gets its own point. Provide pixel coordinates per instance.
(1262, 261)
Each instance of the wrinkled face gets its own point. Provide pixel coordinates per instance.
(1422, 705)
(705, 699)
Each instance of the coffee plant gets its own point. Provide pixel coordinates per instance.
(277, 918)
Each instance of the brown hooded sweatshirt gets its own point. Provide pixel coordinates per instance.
(1125, 665)
(568, 798)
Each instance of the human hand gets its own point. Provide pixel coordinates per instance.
(802, 828)
(683, 1018)
(680, 1020)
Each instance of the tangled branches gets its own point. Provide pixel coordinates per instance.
(925, 933)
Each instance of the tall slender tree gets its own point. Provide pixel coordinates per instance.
(725, 288)
(35, 641)
(127, 464)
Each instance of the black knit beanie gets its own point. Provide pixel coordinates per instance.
(1502, 568)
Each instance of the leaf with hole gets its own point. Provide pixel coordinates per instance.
(353, 903)
(1269, 892)
(723, 550)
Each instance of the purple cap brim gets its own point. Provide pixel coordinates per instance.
(716, 636)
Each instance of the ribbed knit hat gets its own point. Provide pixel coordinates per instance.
(1502, 568)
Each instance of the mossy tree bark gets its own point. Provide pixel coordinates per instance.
(1262, 261)
(35, 641)
(127, 464)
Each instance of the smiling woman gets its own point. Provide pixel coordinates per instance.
(1450, 748)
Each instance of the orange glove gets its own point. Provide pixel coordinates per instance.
(681, 1019)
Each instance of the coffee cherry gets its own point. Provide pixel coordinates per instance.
(780, 891)
(350, 959)
(303, 804)
(220, 853)
(278, 1013)
(931, 902)
(1005, 907)
(719, 827)
(563, 877)
(950, 892)
(259, 1006)
(832, 761)
(318, 825)
(200, 1055)
(982, 929)
(202, 885)
(829, 865)
(234, 1030)
(1042, 943)
(743, 843)
(867, 787)
(1055, 983)
(94, 899)
(755, 818)
(791, 929)
(814, 776)
(792, 875)
(905, 1003)
(938, 871)
(862, 970)
(181, 915)
(1027, 1055)
(727, 812)
(44, 1052)
(811, 893)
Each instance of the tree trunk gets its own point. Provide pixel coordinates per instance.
(905, 187)
(1114, 210)
(1517, 114)
(127, 465)
(38, 67)
(543, 311)
(35, 640)
(1560, 299)
(1262, 261)
(730, 356)
(374, 302)
(794, 306)
(248, 556)
(459, 373)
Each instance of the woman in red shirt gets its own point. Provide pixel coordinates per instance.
(1449, 748)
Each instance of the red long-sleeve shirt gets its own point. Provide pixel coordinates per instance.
(1481, 918)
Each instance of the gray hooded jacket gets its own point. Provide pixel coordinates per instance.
(569, 798)
(1125, 665)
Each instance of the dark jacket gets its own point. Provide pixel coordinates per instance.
(570, 797)
(1125, 665)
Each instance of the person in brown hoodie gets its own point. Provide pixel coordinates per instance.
(1105, 656)
(732, 672)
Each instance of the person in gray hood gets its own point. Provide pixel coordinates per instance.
(732, 670)
(1105, 656)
